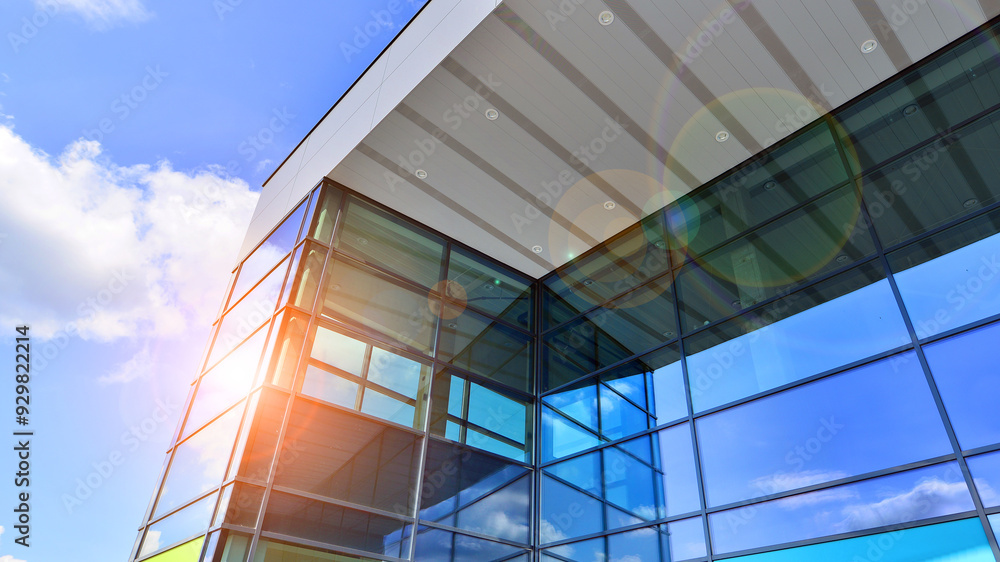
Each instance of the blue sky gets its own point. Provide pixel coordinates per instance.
(130, 133)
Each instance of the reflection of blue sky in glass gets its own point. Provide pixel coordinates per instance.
(394, 372)
(995, 523)
(874, 417)
(279, 243)
(577, 403)
(679, 480)
(497, 413)
(503, 514)
(954, 289)
(669, 401)
(340, 351)
(330, 387)
(854, 326)
(387, 408)
(958, 541)
(986, 476)
(899, 498)
(179, 526)
(965, 370)
(567, 513)
(619, 418)
(561, 437)
(687, 539)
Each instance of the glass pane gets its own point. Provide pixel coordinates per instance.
(930, 98)
(925, 493)
(561, 437)
(615, 267)
(985, 471)
(327, 523)
(768, 263)
(843, 319)
(187, 552)
(995, 523)
(277, 245)
(619, 417)
(584, 551)
(771, 184)
(567, 513)
(584, 472)
(874, 417)
(503, 514)
(396, 372)
(259, 437)
(282, 354)
(326, 214)
(226, 383)
(490, 288)
(435, 545)
(308, 266)
(654, 381)
(240, 505)
(951, 278)
(272, 551)
(578, 402)
(501, 422)
(632, 324)
(965, 369)
(199, 463)
(182, 525)
(255, 309)
(497, 413)
(933, 543)
(629, 484)
(675, 470)
(345, 457)
(331, 387)
(340, 351)
(360, 297)
(455, 476)
(378, 238)
(642, 544)
(483, 346)
(687, 539)
(937, 184)
(386, 407)
(230, 547)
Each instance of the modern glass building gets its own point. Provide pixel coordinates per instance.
(793, 360)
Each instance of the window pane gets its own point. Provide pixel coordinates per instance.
(456, 476)
(272, 551)
(965, 369)
(877, 416)
(331, 387)
(240, 505)
(492, 289)
(939, 183)
(497, 413)
(677, 484)
(435, 545)
(503, 514)
(340, 351)
(226, 383)
(583, 472)
(584, 551)
(199, 463)
(985, 471)
(326, 214)
(255, 309)
(346, 457)
(619, 417)
(770, 262)
(687, 539)
(934, 543)
(304, 281)
(282, 353)
(360, 297)
(567, 513)
(378, 238)
(396, 372)
(259, 437)
(327, 523)
(951, 278)
(388, 408)
(771, 184)
(501, 423)
(995, 523)
(843, 319)
(642, 544)
(187, 552)
(561, 437)
(578, 402)
(182, 525)
(277, 245)
(483, 346)
(900, 498)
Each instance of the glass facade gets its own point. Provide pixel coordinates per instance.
(794, 362)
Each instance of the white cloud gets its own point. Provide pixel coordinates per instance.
(9, 558)
(783, 481)
(109, 252)
(929, 498)
(101, 14)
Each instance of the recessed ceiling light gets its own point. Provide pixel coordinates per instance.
(452, 325)
(588, 282)
(536, 249)
(770, 185)
(843, 259)
(869, 46)
(335, 286)
(668, 334)
(421, 174)
(492, 114)
(660, 244)
(722, 136)
(970, 203)
(606, 17)
(362, 240)
(737, 304)
(910, 109)
(609, 205)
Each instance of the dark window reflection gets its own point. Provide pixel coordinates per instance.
(434, 545)
(489, 288)
(332, 524)
(349, 458)
(255, 448)
(483, 417)
(965, 370)
(486, 347)
(878, 416)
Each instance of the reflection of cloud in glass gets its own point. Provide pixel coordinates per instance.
(930, 498)
(987, 492)
(782, 481)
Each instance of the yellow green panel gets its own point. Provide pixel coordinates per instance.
(187, 552)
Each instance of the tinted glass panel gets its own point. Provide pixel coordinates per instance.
(592, 550)
(995, 523)
(900, 498)
(650, 544)
(483, 417)
(331, 387)
(503, 514)
(346, 457)
(388, 408)
(966, 372)
(934, 543)
(199, 463)
(562, 437)
(255, 309)
(844, 319)
(442, 546)
(271, 551)
(226, 383)
(951, 278)
(380, 239)
(687, 539)
(322, 522)
(187, 552)
(182, 525)
(326, 214)
(240, 505)
(567, 513)
(395, 372)
(986, 475)
(301, 290)
(360, 297)
(874, 417)
(259, 438)
(277, 245)
(483, 346)
(490, 288)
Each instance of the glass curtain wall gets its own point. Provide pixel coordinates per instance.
(794, 362)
